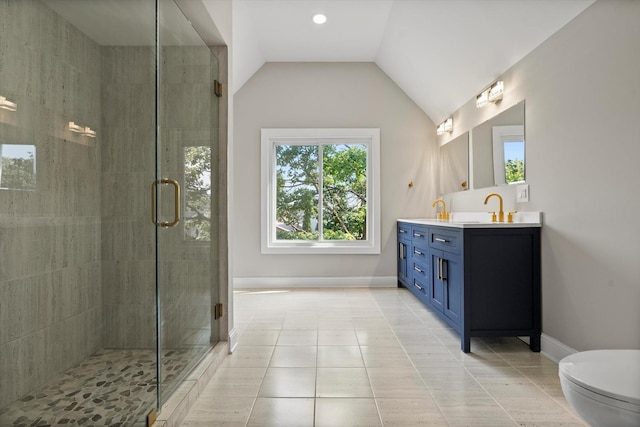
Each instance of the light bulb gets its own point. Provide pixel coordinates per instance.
(319, 18)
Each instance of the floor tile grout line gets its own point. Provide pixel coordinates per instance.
(415, 369)
(393, 327)
(431, 391)
(549, 395)
(255, 399)
(315, 384)
(367, 369)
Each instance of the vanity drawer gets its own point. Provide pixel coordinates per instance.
(420, 288)
(404, 231)
(420, 255)
(419, 271)
(419, 234)
(446, 240)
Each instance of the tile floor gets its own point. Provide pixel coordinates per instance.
(371, 357)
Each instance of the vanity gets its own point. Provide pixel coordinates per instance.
(480, 277)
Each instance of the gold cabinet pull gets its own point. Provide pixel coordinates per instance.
(176, 209)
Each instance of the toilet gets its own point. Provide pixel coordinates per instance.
(603, 386)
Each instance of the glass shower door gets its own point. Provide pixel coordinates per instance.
(102, 313)
(187, 111)
(78, 324)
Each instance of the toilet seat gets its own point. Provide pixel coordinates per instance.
(612, 376)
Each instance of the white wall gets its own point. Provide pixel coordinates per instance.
(247, 55)
(582, 92)
(221, 13)
(330, 95)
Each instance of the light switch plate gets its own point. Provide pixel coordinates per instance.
(522, 193)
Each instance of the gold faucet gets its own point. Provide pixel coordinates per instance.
(443, 214)
(493, 214)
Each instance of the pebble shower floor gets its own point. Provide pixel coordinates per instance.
(109, 388)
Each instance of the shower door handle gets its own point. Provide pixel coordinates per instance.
(176, 215)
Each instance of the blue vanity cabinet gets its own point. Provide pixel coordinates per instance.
(447, 273)
(404, 248)
(421, 270)
(419, 266)
(414, 272)
(502, 285)
(436, 293)
(446, 285)
(484, 281)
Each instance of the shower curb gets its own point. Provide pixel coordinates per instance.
(177, 407)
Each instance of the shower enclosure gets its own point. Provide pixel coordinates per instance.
(108, 252)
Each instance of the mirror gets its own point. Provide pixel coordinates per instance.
(454, 165)
(498, 149)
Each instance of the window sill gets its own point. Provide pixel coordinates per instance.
(316, 248)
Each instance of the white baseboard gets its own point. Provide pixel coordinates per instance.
(554, 349)
(550, 347)
(314, 282)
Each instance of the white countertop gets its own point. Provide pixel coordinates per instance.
(480, 220)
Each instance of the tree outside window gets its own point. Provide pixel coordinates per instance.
(320, 191)
(340, 179)
(17, 167)
(197, 195)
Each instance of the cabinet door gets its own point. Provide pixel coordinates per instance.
(404, 256)
(452, 278)
(436, 291)
(403, 263)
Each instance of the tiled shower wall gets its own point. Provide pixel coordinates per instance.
(128, 169)
(188, 115)
(128, 253)
(77, 256)
(50, 292)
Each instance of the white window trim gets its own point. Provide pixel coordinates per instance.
(500, 135)
(269, 245)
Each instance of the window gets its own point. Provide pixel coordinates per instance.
(508, 154)
(320, 191)
(17, 167)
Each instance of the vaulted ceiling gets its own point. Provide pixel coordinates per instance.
(441, 53)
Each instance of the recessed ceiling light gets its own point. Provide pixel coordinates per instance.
(319, 18)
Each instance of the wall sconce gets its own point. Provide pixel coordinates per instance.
(482, 99)
(5, 104)
(491, 94)
(446, 126)
(82, 130)
(495, 91)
